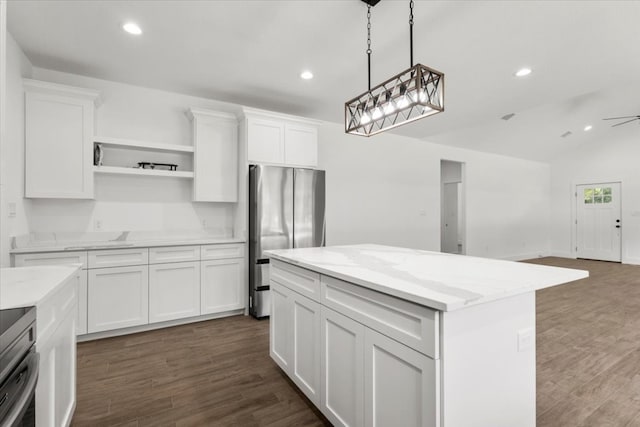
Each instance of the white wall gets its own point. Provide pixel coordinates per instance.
(12, 150)
(386, 189)
(130, 202)
(613, 159)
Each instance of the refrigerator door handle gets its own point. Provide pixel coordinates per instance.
(262, 261)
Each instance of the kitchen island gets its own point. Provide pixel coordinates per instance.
(383, 336)
(53, 291)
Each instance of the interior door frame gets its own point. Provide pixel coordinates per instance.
(574, 214)
(462, 212)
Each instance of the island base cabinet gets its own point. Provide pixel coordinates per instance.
(280, 326)
(174, 291)
(81, 321)
(342, 367)
(223, 286)
(118, 297)
(400, 385)
(56, 390)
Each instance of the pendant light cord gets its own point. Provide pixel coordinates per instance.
(411, 32)
(369, 43)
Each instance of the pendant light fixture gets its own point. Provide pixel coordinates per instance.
(412, 94)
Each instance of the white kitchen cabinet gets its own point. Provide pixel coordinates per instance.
(118, 297)
(280, 324)
(118, 257)
(215, 143)
(280, 139)
(59, 126)
(301, 145)
(81, 317)
(56, 345)
(400, 384)
(174, 291)
(342, 367)
(222, 285)
(266, 141)
(305, 357)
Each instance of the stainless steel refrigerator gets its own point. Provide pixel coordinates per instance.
(286, 210)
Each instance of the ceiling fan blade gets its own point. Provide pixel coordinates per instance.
(618, 118)
(618, 124)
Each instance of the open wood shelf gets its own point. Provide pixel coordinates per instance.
(116, 170)
(142, 145)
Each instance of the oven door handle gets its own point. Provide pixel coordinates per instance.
(19, 408)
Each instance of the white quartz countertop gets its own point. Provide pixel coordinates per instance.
(121, 240)
(26, 286)
(441, 281)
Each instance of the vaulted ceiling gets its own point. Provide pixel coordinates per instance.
(585, 57)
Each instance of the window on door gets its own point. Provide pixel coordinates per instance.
(595, 195)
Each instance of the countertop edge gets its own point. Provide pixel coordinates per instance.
(426, 302)
(145, 244)
(72, 269)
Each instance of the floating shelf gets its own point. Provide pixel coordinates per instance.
(142, 145)
(142, 172)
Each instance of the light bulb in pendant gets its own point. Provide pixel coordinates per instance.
(377, 113)
(365, 119)
(389, 108)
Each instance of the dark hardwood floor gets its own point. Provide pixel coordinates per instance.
(218, 373)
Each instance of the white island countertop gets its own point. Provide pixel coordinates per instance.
(26, 286)
(441, 281)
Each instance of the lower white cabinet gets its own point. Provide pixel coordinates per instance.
(81, 286)
(174, 291)
(56, 345)
(280, 326)
(400, 384)
(342, 365)
(118, 297)
(222, 285)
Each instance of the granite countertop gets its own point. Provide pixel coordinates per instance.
(441, 281)
(59, 242)
(27, 286)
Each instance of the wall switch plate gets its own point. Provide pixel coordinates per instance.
(11, 209)
(526, 339)
(97, 225)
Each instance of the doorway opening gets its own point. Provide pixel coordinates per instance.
(452, 208)
(598, 221)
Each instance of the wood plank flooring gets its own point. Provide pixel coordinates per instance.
(218, 373)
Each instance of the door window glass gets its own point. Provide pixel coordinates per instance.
(588, 195)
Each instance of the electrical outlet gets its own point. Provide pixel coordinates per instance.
(204, 223)
(422, 212)
(97, 225)
(526, 339)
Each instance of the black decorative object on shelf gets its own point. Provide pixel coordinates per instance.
(159, 166)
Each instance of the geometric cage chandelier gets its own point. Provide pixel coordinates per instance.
(413, 94)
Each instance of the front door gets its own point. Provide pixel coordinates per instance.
(598, 221)
(449, 226)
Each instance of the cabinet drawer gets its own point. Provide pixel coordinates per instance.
(118, 257)
(221, 251)
(50, 258)
(411, 324)
(303, 281)
(174, 254)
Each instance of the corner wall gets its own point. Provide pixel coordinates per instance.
(386, 189)
(613, 159)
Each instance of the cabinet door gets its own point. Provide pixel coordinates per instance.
(45, 389)
(301, 145)
(50, 258)
(265, 141)
(174, 291)
(215, 159)
(81, 291)
(222, 285)
(342, 366)
(118, 297)
(400, 384)
(58, 150)
(280, 324)
(306, 346)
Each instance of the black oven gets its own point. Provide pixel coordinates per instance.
(18, 367)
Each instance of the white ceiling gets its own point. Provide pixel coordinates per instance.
(585, 56)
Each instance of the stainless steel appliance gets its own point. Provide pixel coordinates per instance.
(286, 210)
(18, 367)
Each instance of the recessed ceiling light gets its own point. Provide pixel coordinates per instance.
(587, 128)
(132, 28)
(306, 75)
(523, 72)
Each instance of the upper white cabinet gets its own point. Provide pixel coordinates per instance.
(58, 140)
(215, 165)
(280, 139)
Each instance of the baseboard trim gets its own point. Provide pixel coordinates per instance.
(631, 260)
(153, 326)
(522, 257)
(560, 254)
